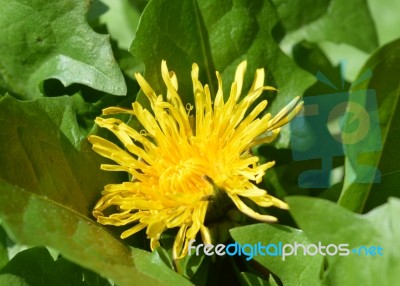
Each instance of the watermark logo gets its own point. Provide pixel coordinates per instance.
(282, 250)
(330, 123)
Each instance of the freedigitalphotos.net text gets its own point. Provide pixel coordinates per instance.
(280, 249)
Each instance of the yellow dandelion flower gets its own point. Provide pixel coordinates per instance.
(179, 161)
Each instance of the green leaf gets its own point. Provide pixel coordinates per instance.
(312, 58)
(248, 279)
(44, 151)
(179, 36)
(138, 5)
(334, 26)
(153, 266)
(221, 35)
(386, 19)
(3, 248)
(36, 267)
(34, 220)
(122, 21)
(12, 280)
(97, 8)
(298, 13)
(294, 270)
(329, 223)
(43, 40)
(373, 161)
(193, 267)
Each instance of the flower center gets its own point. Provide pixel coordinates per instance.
(189, 182)
(186, 177)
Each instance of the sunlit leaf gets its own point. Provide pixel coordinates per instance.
(347, 22)
(178, 36)
(122, 20)
(329, 223)
(292, 270)
(372, 158)
(384, 13)
(35, 220)
(51, 40)
(52, 153)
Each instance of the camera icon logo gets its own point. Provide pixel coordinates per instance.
(332, 124)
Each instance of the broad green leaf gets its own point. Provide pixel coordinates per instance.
(386, 18)
(44, 151)
(298, 13)
(334, 25)
(36, 267)
(329, 223)
(36, 220)
(216, 35)
(178, 35)
(373, 161)
(293, 270)
(51, 40)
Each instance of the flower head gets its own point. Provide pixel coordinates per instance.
(184, 156)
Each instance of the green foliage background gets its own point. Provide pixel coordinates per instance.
(62, 61)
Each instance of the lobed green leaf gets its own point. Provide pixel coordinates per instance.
(52, 40)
